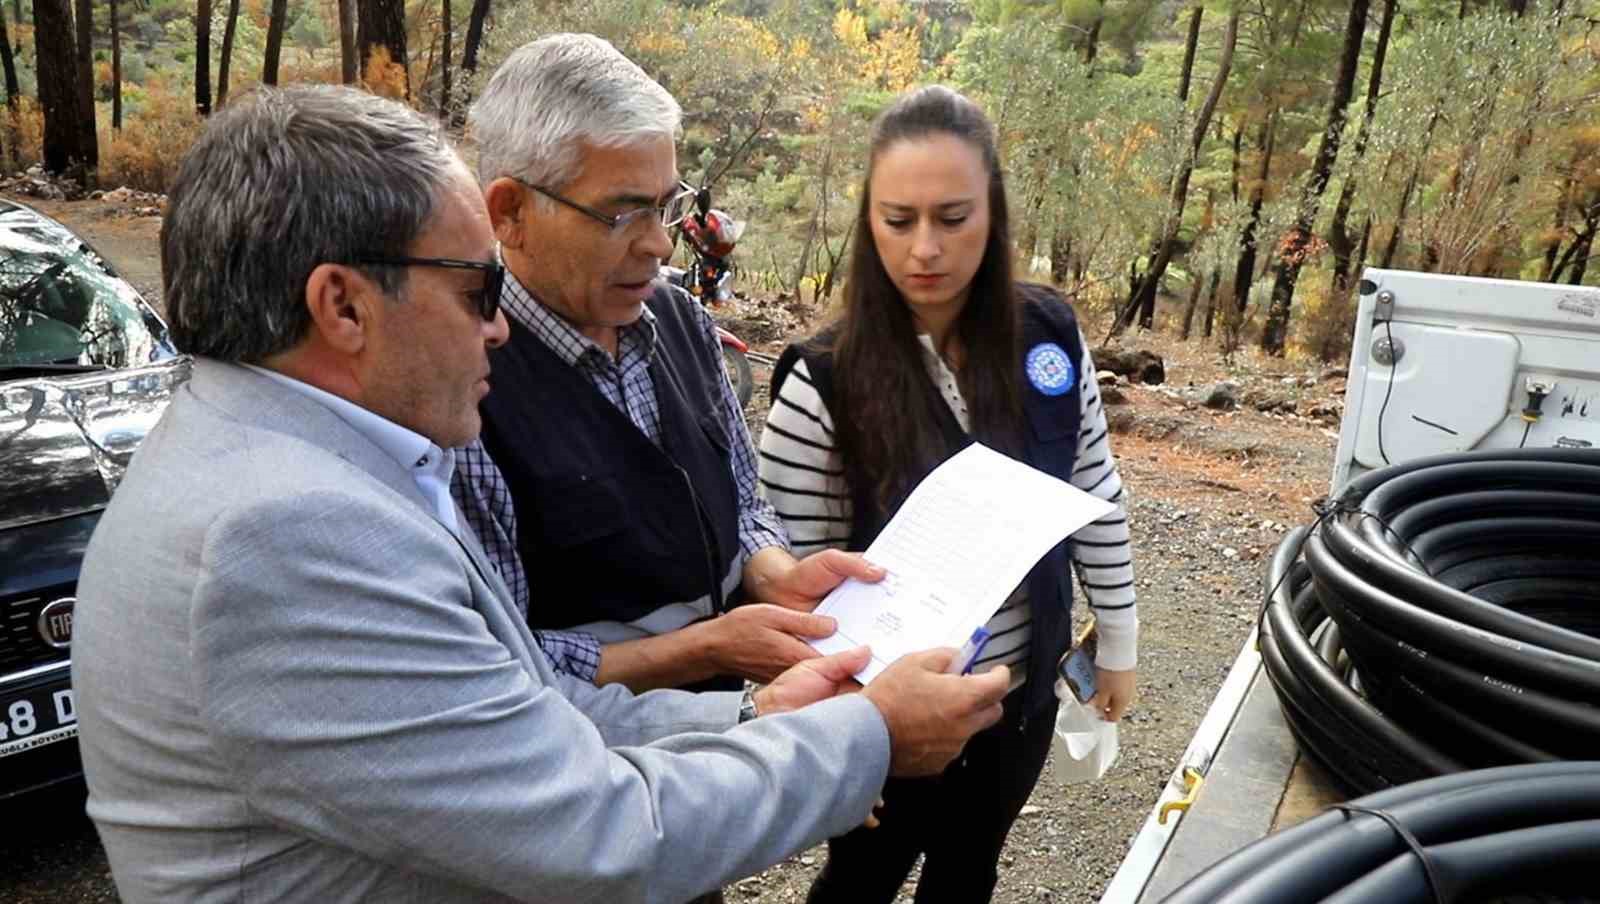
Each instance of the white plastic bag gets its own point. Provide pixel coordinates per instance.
(1085, 745)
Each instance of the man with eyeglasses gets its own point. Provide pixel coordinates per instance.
(615, 486)
(298, 679)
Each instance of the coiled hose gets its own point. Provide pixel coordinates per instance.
(1516, 833)
(1443, 614)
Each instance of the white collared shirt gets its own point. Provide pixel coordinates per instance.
(430, 466)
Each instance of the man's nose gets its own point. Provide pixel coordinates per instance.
(496, 331)
(654, 241)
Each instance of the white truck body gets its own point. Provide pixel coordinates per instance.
(1469, 352)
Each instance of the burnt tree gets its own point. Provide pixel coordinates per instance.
(382, 23)
(69, 149)
(269, 57)
(226, 62)
(1297, 244)
(202, 57)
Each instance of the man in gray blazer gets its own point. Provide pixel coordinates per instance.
(297, 678)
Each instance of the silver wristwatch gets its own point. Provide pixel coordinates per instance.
(747, 705)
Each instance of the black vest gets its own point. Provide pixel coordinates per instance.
(1050, 443)
(611, 526)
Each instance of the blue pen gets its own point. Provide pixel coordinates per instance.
(967, 656)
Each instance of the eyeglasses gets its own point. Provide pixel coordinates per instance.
(494, 275)
(671, 212)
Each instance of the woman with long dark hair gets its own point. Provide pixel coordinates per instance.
(936, 347)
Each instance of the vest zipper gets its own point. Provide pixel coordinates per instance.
(715, 596)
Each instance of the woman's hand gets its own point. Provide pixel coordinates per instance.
(1113, 694)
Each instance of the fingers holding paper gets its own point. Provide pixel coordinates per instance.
(930, 714)
(760, 641)
(801, 584)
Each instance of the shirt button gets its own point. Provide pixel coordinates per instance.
(422, 462)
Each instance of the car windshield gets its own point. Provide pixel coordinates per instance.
(61, 306)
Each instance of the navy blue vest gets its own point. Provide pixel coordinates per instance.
(1050, 443)
(609, 525)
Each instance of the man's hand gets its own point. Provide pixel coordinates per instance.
(1113, 693)
(759, 641)
(812, 680)
(774, 576)
(931, 714)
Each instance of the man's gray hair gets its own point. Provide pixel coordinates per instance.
(552, 96)
(281, 182)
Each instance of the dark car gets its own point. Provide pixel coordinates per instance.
(86, 367)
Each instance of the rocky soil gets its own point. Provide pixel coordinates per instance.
(1219, 462)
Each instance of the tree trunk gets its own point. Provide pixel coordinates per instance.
(469, 56)
(1581, 266)
(269, 57)
(1189, 48)
(349, 71)
(1188, 308)
(202, 57)
(83, 47)
(1091, 47)
(1275, 333)
(226, 63)
(444, 72)
(116, 68)
(13, 94)
(382, 23)
(1244, 273)
(1060, 256)
(1340, 241)
(13, 91)
(1211, 304)
(1563, 204)
(1405, 202)
(69, 149)
(1238, 135)
(1577, 254)
(474, 39)
(1144, 297)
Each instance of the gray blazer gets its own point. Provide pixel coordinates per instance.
(293, 684)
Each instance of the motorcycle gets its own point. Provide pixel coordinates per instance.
(711, 236)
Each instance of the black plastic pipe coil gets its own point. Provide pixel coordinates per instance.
(1517, 833)
(1444, 615)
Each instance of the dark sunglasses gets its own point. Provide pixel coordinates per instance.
(494, 275)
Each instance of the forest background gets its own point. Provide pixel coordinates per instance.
(1222, 169)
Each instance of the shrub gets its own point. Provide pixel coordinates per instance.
(22, 136)
(144, 155)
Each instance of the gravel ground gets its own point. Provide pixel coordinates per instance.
(1210, 493)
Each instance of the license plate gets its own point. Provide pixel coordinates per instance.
(32, 719)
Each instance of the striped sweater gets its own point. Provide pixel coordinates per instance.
(803, 478)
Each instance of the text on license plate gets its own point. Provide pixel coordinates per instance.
(35, 719)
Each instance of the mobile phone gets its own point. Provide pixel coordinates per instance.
(1076, 668)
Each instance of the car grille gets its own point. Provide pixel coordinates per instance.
(21, 647)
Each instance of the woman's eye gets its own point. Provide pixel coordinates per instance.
(953, 221)
(896, 223)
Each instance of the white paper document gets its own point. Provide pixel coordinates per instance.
(965, 538)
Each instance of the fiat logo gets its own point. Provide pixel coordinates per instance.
(55, 623)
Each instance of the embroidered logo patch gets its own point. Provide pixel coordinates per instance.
(1049, 369)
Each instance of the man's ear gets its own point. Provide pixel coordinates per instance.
(505, 197)
(340, 301)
